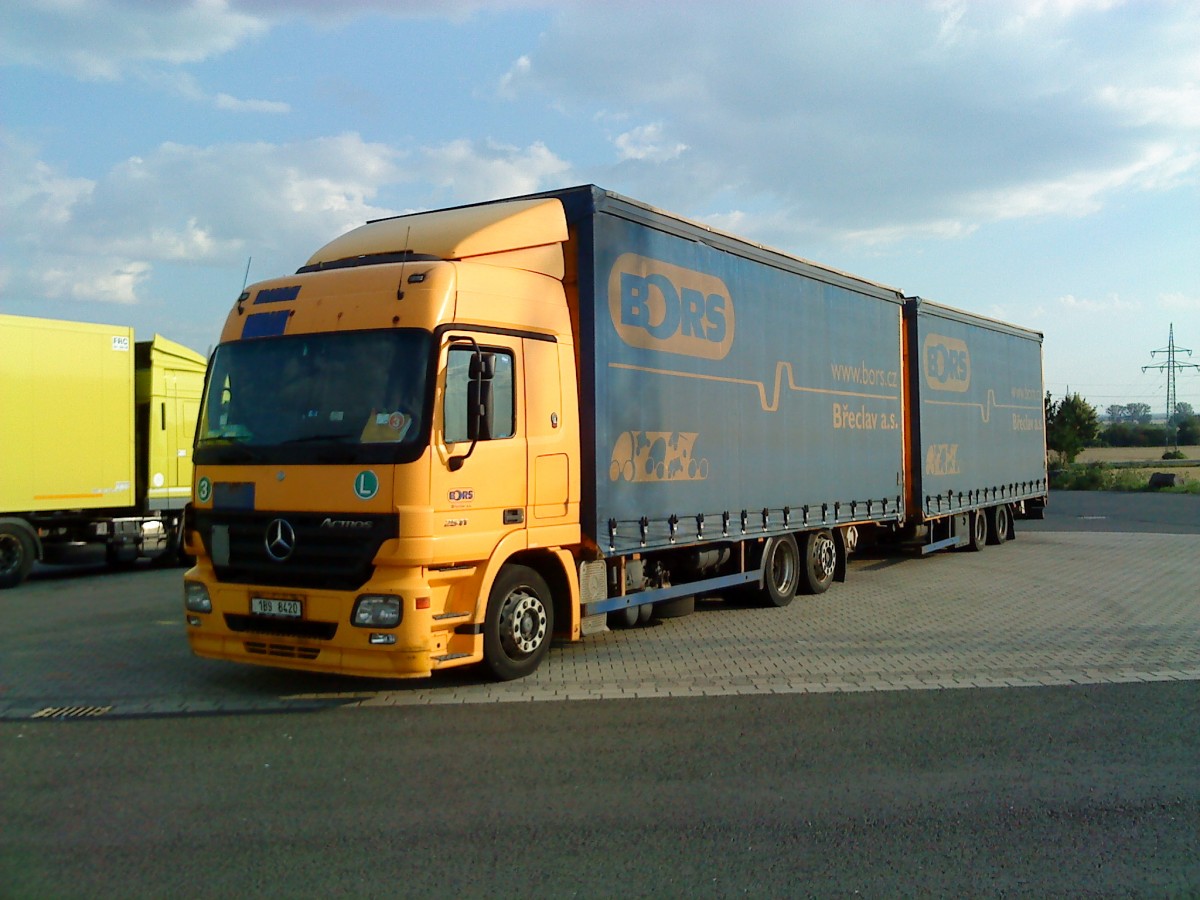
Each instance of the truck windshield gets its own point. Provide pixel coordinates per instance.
(343, 397)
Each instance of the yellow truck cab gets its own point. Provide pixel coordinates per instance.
(353, 509)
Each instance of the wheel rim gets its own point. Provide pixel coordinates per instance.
(784, 568)
(523, 623)
(980, 523)
(824, 556)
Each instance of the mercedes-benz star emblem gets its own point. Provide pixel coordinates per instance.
(281, 540)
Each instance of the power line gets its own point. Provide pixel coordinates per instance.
(1169, 367)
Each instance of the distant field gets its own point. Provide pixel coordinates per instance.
(1131, 467)
(1131, 454)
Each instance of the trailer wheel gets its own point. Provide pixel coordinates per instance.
(979, 531)
(677, 608)
(781, 571)
(820, 562)
(626, 617)
(998, 519)
(16, 555)
(519, 624)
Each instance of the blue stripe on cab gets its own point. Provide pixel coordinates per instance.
(270, 324)
(277, 295)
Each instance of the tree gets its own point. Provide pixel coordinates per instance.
(1183, 411)
(1071, 424)
(1118, 412)
(1139, 412)
(1189, 431)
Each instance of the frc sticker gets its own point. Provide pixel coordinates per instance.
(366, 485)
(203, 490)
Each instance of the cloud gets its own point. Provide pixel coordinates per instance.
(883, 122)
(1110, 304)
(508, 87)
(466, 171)
(646, 142)
(1083, 193)
(100, 280)
(1178, 302)
(182, 205)
(103, 39)
(194, 206)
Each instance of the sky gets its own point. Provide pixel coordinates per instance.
(1037, 161)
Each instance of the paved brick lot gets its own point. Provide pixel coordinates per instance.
(1052, 608)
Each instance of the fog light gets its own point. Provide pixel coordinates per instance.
(194, 621)
(383, 639)
(195, 597)
(376, 611)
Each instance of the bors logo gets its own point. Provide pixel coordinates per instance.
(658, 306)
(947, 363)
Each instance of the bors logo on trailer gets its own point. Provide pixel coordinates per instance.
(947, 363)
(657, 306)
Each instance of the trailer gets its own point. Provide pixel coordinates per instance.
(95, 443)
(451, 436)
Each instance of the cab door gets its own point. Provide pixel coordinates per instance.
(480, 478)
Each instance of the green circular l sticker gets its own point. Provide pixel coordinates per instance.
(203, 490)
(366, 485)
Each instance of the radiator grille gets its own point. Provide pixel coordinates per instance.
(326, 552)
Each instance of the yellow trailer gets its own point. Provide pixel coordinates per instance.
(95, 441)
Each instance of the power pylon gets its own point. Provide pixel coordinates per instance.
(1170, 366)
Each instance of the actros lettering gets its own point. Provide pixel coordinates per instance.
(344, 523)
(658, 306)
(947, 363)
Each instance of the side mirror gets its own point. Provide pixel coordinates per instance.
(480, 403)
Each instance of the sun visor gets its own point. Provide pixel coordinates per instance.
(526, 234)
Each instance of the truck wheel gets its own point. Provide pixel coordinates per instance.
(820, 562)
(979, 531)
(519, 624)
(998, 524)
(16, 555)
(781, 571)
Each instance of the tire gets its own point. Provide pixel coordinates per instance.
(820, 562)
(979, 531)
(626, 617)
(16, 555)
(781, 571)
(998, 522)
(519, 625)
(677, 608)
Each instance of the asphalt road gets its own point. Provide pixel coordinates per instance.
(1111, 511)
(1089, 789)
(1043, 791)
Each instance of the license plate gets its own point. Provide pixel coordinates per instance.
(280, 609)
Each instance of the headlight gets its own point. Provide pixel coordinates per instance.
(195, 597)
(376, 611)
